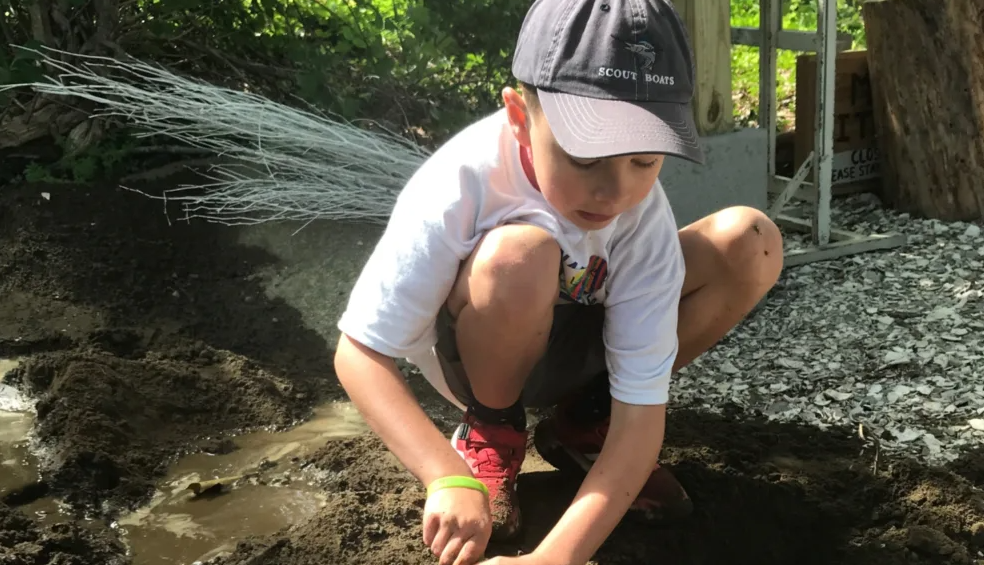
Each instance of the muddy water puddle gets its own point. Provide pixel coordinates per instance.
(243, 486)
(18, 464)
(250, 486)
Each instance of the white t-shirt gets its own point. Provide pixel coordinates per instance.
(475, 182)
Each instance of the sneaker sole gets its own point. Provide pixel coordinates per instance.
(554, 452)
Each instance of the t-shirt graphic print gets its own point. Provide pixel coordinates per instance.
(583, 283)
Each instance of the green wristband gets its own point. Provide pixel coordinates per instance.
(457, 482)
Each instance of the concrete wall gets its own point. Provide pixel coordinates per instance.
(734, 174)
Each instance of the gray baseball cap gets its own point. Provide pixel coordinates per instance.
(614, 77)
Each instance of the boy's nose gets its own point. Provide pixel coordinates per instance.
(607, 191)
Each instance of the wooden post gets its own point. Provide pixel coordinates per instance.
(926, 59)
(709, 25)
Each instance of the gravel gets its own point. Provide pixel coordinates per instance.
(888, 342)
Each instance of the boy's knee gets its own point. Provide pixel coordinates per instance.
(514, 267)
(753, 243)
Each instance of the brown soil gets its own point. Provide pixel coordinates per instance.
(142, 340)
(765, 493)
(22, 542)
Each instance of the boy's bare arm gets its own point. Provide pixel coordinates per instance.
(626, 461)
(377, 388)
(457, 523)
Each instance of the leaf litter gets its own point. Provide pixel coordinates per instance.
(889, 340)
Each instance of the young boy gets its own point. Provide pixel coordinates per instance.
(534, 260)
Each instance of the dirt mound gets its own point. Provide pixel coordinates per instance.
(380, 535)
(110, 425)
(101, 263)
(141, 338)
(22, 542)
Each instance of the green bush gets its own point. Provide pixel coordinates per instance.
(424, 67)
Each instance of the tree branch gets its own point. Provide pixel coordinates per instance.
(236, 63)
(40, 14)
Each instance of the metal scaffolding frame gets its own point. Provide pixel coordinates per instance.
(827, 243)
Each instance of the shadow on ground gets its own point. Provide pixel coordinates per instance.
(970, 465)
(765, 494)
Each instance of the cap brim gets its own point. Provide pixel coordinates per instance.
(593, 128)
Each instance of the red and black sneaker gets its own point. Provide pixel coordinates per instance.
(573, 448)
(495, 454)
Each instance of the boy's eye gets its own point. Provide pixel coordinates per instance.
(583, 164)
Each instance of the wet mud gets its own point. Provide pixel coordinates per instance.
(145, 344)
(764, 493)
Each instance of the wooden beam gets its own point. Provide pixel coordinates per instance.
(709, 25)
(790, 40)
(843, 243)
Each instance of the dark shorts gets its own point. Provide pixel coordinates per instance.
(575, 356)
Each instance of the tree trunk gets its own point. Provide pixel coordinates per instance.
(926, 60)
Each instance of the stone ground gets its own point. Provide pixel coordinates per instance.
(888, 343)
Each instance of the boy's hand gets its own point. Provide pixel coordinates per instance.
(457, 525)
(528, 559)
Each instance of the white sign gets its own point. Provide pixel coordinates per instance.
(856, 165)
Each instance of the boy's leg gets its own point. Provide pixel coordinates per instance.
(496, 325)
(733, 258)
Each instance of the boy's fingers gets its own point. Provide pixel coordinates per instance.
(441, 539)
(470, 553)
(432, 524)
(451, 550)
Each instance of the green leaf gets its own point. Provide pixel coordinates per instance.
(419, 15)
(22, 72)
(85, 168)
(25, 55)
(343, 47)
(309, 84)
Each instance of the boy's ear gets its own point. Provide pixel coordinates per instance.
(518, 114)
